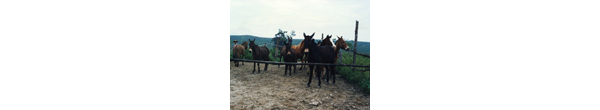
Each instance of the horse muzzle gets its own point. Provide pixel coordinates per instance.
(250, 50)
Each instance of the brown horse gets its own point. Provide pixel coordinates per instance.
(289, 55)
(239, 51)
(340, 44)
(259, 53)
(300, 50)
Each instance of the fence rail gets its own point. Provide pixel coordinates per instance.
(287, 63)
(365, 55)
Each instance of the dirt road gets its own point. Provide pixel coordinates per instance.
(271, 90)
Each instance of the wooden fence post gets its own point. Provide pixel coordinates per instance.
(355, 42)
(277, 49)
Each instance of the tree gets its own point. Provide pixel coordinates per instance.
(282, 37)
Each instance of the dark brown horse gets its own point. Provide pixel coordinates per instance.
(239, 51)
(318, 54)
(258, 53)
(289, 55)
(327, 42)
(321, 43)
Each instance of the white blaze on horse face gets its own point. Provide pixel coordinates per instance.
(305, 50)
(289, 53)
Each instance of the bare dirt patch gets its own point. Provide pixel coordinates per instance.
(271, 90)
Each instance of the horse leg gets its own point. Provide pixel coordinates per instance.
(254, 68)
(258, 67)
(333, 73)
(319, 72)
(303, 66)
(310, 67)
(326, 75)
(291, 69)
(266, 65)
(286, 68)
(304, 61)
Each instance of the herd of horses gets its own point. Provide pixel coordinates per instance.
(308, 51)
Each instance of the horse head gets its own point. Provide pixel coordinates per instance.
(308, 40)
(288, 46)
(341, 43)
(252, 45)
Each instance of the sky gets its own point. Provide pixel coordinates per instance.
(264, 18)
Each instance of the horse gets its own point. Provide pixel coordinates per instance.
(300, 50)
(340, 44)
(289, 55)
(258, 53)
(319, 43)
(318, 54)
(327, 41)
(239, 51)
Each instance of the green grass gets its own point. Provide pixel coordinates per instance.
(362, 79)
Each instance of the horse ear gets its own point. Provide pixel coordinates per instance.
(304, 34)
(313, 34)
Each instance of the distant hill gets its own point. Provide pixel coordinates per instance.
(362, 47)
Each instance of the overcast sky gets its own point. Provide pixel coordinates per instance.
(264, 17)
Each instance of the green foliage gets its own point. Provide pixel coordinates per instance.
(362, 79)
(282, 36)
(350, 44)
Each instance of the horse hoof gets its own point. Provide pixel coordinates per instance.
(307, 85)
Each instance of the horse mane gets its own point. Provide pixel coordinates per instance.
(301, 45)
(245, 44)
(327, 41)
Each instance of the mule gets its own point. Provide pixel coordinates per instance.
(320, 43)
(318, 54)
(326, 75)
(239, 51)
(258, 53)
(289, 56)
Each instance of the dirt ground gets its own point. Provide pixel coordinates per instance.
(271, 90)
